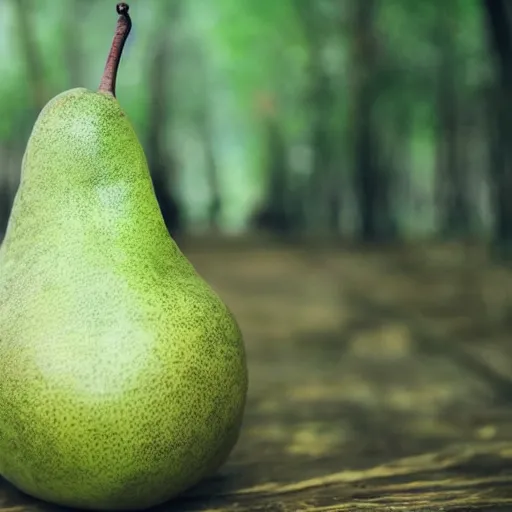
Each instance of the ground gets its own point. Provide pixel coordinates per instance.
(380, 379)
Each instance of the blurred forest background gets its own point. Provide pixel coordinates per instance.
(371, 120)
(339, 170)
(378, 121)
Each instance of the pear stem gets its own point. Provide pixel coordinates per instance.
(124, 25)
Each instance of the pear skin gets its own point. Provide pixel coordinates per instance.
(123, 375)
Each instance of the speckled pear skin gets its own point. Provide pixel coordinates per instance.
(122, 374)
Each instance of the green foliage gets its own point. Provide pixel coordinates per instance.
(227, 55)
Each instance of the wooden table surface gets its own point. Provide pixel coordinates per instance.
(379, 380)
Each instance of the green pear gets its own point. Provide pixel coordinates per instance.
(123, 375)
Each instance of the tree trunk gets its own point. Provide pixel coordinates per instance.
(6, 187)
(160, 159)
(369, 184)
(31, 56)
(273, 216)
(72, 42)
(452, 181)
(215, 207)
(499, 23)
(323, 200)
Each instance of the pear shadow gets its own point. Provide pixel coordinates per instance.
(202, 496)
(12, 498)
(197, 498)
